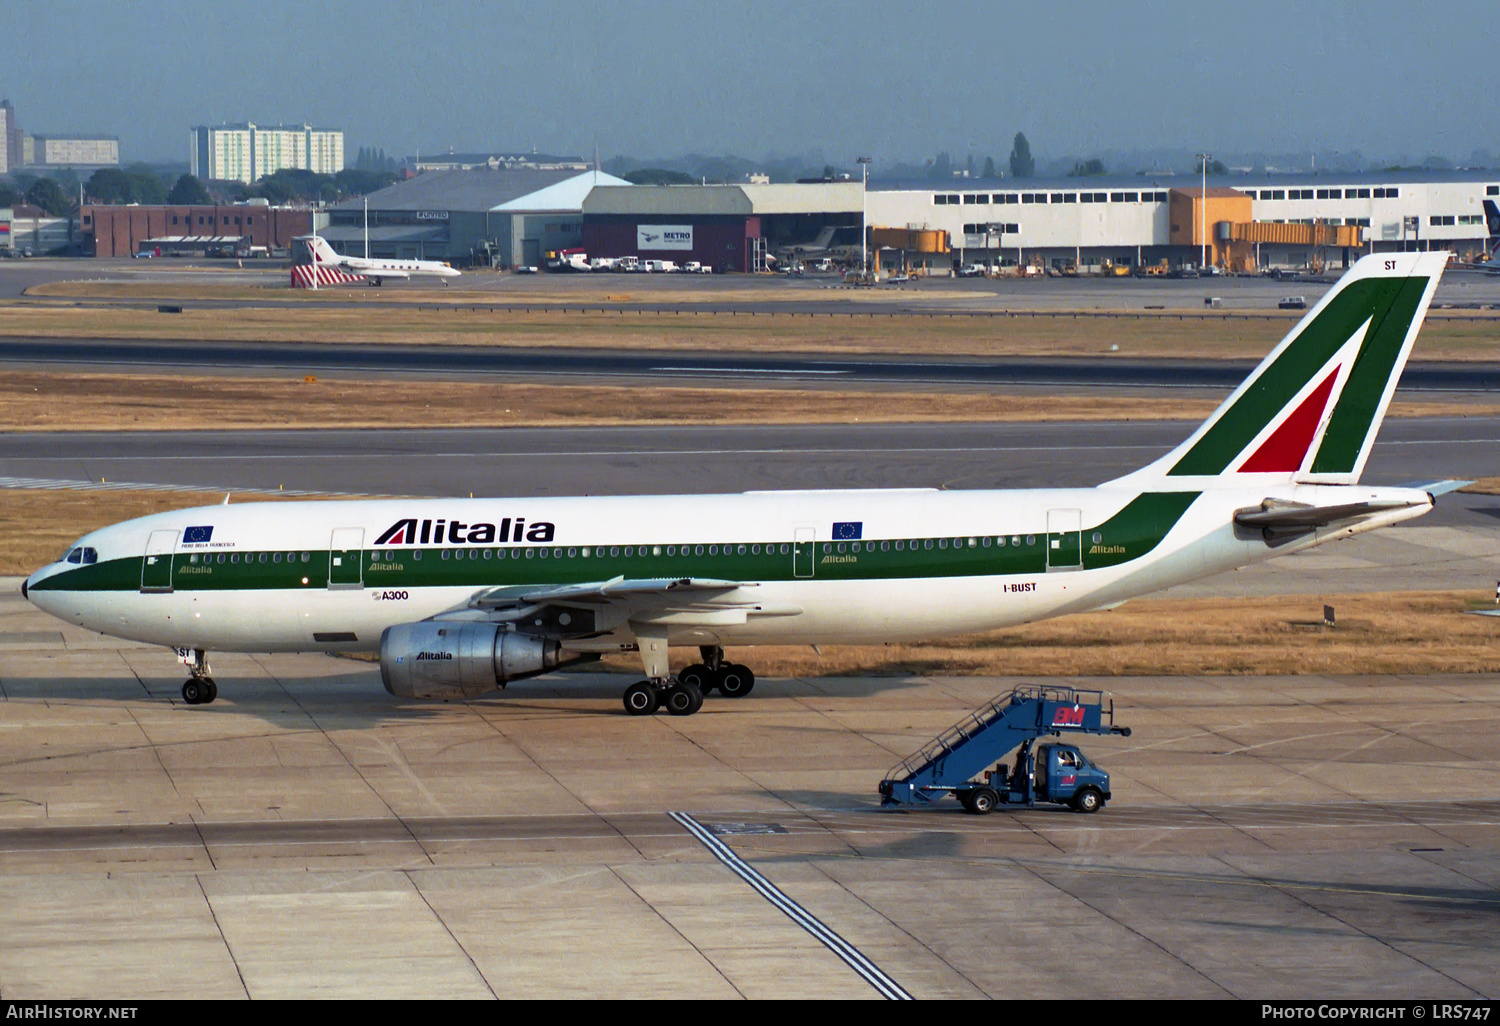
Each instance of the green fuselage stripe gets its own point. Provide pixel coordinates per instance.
(1131, 533)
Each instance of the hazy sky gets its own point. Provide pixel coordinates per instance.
(893, 80)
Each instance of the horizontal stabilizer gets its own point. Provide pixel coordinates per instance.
(1281, 521)
(1436, 488)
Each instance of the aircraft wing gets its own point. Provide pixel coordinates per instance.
(603, 592)
(598, 607)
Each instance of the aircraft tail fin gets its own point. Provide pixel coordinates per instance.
(1310, 411)
(322, 252)
(1492, 224)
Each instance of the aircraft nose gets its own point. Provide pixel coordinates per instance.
(23, 588)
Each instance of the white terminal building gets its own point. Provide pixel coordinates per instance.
(248, 152)
(1237, 223)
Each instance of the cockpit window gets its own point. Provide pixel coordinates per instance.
(90, 555)
(74, 556)
(80, 554)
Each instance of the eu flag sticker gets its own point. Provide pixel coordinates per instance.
(199, 535)
(849, 530)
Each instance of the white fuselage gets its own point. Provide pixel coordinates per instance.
(396, 268)
(922, 564)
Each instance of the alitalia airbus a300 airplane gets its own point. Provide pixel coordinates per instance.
(461, 596)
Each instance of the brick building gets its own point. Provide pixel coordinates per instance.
(116, 231)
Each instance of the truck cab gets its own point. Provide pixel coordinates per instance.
(1053, 773)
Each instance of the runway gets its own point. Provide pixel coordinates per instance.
(687, 460)
(822, 293)
(467, 362)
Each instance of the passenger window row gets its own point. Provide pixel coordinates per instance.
(89, 555)
(250, 557)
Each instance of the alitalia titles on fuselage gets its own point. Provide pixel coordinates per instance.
(411, 531)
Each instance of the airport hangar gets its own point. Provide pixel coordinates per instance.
(722, 227)
(489, 216)
(1247, 222)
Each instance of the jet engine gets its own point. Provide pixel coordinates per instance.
(459, 659)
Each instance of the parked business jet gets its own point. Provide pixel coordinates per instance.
(461, 596)
(375, 270)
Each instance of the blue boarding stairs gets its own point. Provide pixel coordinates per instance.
(965, 760)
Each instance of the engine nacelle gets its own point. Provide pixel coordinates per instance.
(459, 659)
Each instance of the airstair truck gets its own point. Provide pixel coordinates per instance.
(964, 760)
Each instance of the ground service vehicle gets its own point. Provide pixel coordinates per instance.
(964, 760)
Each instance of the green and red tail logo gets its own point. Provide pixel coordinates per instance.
(1310, 411)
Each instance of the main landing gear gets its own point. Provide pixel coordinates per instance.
(683, 696)
(200, 688)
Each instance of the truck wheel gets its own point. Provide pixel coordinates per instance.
(983, 800)
(1088, 800)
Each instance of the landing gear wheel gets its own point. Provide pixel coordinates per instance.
(213, 690)
(735, 680)
(642, 699)
(1088, 800)
(194, 692)
(683, 699)
(701, 677)
(982, 800)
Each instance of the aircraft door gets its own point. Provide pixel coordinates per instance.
(804, 553)
(156, 568)
(1064, 539)
(346, 558)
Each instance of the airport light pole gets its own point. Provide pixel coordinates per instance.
(864, 231)
(1203, 159)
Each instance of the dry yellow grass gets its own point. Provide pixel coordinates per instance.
(1408, 632)
(1111, 337)
(36, 525)
(43, 401)
(49, 402)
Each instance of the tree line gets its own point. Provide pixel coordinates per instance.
(59, 196)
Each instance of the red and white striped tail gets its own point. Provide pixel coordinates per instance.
(302, 276)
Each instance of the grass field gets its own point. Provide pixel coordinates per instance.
(1404, 632)
(119, 402)
(1164, 334)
